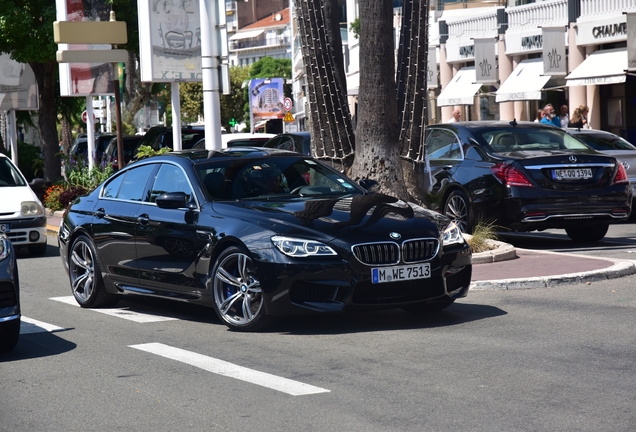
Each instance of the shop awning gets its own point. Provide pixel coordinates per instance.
(246, 34)
(601, 67)
(524, 83)
(461, 89)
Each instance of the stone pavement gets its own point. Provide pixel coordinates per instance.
(507, 267)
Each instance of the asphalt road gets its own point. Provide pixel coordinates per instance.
(560, 359)
(619, 243)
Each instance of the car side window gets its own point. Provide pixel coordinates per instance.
(129, 185)
(169, 178)
(286, 144)
(443, 144)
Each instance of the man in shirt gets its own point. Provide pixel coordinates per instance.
(549, 117)
(456, 116)
(564, 117)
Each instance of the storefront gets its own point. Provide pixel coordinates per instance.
(611, 90)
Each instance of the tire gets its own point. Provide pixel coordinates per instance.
(85, 275)
(37, 250)
(457, 209)
(10, 333)
(587, 234)
(238, 299)
(429, 306)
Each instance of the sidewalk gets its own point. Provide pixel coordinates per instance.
(507, 267)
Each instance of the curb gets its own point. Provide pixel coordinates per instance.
(502, 252)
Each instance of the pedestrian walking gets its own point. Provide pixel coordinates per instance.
(456, 116)
(564, 117)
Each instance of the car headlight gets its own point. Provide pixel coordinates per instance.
(295, 247)
(452, 235)
(4, 248)
(31, 208)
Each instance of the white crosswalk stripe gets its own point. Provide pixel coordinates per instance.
(124, 313)
(30, 325)
(221, 367)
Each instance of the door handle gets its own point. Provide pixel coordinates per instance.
(143, 219)
(100, 213)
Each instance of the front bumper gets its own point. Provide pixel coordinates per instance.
(28, 231)
(338, 286)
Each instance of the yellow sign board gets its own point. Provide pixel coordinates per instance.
(288, 117)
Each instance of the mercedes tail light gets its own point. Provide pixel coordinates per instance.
(621, 175)
(510, 176)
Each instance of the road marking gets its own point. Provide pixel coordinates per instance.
(124, 313)
(30, 325)
(220, 367)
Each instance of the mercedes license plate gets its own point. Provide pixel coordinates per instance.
(572, 174)
(5, 228)
(400, 273)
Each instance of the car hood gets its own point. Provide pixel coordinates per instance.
(12, 197)
(357, 218)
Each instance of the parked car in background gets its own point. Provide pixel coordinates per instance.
(22, 216)
(9, 296)
(158, 137)
(110, 156)
(258, 233)
(239, 140)
(523, 177)
(613, 145)
(294, 141)
(79, 149)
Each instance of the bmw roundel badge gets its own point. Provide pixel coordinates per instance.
(395, 236)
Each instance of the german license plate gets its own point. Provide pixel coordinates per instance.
(5, 228)
(572, 174)
(400, 273)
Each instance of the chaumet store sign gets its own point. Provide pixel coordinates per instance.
(602, 31)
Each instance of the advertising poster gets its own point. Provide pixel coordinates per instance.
(84, 79)
(266, 99)
(169, 40)
(18, 89)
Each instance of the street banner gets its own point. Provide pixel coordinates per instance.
(631, 41)
(18, 88)
(554, 57)
(169, 41)
(266, 96)
(431, 68)
(84, 79)
(485, 61)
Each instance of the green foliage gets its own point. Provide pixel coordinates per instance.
(30, 161)
(269, 67)
(233, 105)
(26, 30)
(147, 151)
(88, 178)
(191, 95)
(354, 26)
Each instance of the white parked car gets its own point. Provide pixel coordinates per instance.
(22, 215)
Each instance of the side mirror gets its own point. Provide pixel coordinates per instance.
(174, 200)
(370, 185)
(37, 183)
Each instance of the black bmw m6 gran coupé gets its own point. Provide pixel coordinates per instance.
(258, 233)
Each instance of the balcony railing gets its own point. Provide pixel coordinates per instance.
(541, 13)
(473, 26)
(605, 7)
(260, 43)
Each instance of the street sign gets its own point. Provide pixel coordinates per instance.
(287, 104)
(85, 116)
(288, 117)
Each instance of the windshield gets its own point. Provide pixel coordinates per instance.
(528, 139)
(9, 175)
(267, 177)
(604, 142)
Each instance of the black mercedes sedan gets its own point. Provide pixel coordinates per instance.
(9, 296)
(523, 176)
(258, 233)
